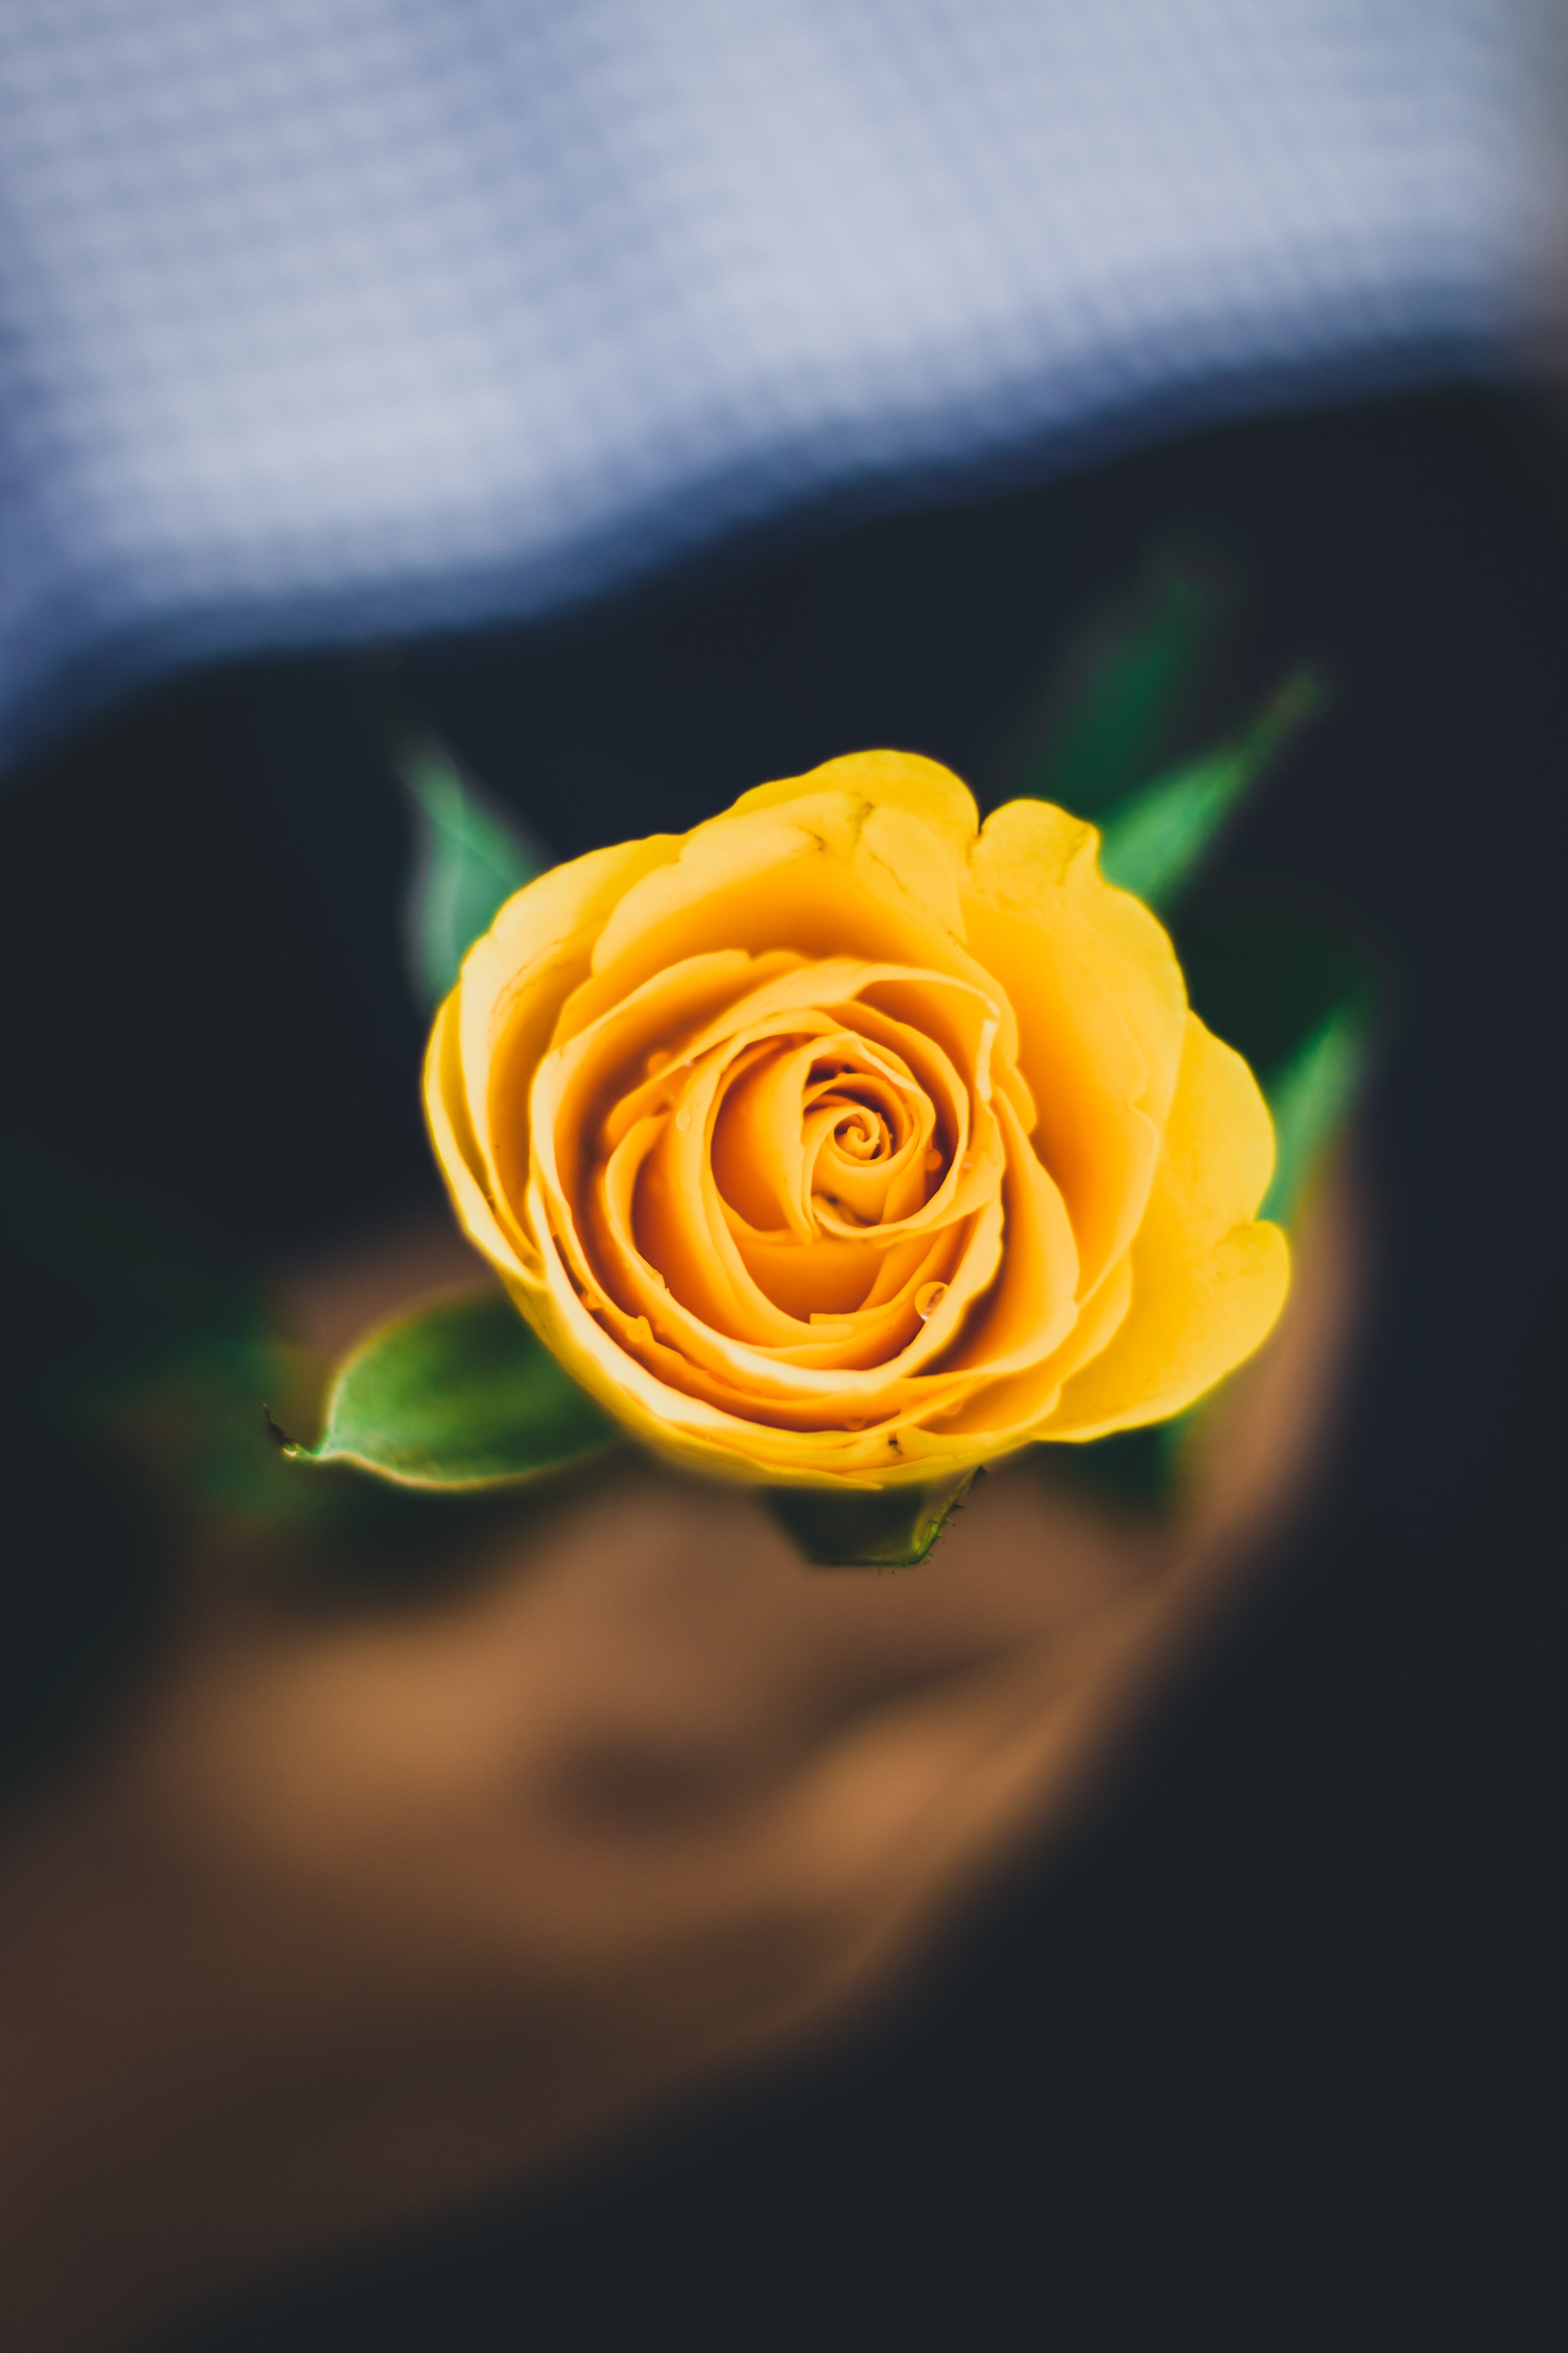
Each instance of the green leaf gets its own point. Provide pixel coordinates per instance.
(892, 1527)
(1113, 705)
(472, 857)
(458, 1395)
(1156, 840)
(1310, 1097)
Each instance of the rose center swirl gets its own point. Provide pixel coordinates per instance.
(816, 1183)
(810, 1144)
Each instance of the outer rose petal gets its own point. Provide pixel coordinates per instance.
(1043, 865)
(1101, 1011)
(511, 987)
(1208, 1280)
(461, 1162)
(902, 780)
(827, 873)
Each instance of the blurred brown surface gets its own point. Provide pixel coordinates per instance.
(371, 1904)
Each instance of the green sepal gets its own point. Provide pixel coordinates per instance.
(1135, 1468)
(458, 1396)
(1155, 841)
(1114, 703)
(472, 858)
(891, 1527)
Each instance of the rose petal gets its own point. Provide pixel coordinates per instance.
(515, 981)
(1208, 1280)
(1034, 1305)
(1100, 1006)
(799, 877)
(489, 1222)
(902, 780)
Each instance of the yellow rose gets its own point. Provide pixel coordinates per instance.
(842, 1142)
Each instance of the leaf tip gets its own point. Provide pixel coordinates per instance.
(288, 1446)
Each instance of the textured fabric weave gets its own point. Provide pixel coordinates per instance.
(321, 319)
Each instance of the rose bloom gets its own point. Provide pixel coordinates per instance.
(845, 1142)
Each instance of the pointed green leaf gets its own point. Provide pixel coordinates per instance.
(458, 1395)
(473, 856)
(1156, 839)
(892, 1527)
(1113, 706)
(1311, 1096)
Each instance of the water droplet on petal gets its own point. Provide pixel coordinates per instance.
(927, 1298)
(853, 1422)
(968, 1161)
(658, 1061)
(933, 1160)
(683, 1119)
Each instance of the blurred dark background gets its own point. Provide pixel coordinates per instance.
(1268, 2054)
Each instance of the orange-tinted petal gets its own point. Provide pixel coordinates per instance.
(1100, 1007)
(903, 780)
(1209, 1278)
